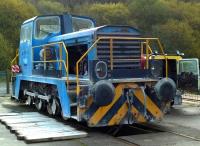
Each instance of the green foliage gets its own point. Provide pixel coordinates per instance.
(12, 14)
(5, 51)
(176, 22)
(111, 13)
(147, 13)
(175, 35)
(50, 7)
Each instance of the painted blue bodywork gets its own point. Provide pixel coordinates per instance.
(62, 90)
(26, 55)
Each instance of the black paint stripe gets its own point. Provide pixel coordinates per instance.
(140, 107)
(113, 110)
(91, 110)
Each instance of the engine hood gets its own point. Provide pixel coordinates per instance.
(102, 30)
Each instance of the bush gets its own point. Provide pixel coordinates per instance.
(110, 13)
(176, 35)
(5, 51)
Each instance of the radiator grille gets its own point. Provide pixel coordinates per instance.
(126, 53)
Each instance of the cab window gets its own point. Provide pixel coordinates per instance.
(188, 66)
(79, 23)
(45, 26)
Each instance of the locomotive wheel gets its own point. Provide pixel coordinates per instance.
(49, 111)
(53, 107)
(29, 101)
(39, 104)
(64, 118)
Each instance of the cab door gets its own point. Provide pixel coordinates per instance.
(25, 47)
(188, 74)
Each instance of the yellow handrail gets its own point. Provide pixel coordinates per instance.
(62, 61)
(166, 62)
(66, 66)
(14, 59)
(147, 54)
(77, 64)
(111, 54)
(111, 51)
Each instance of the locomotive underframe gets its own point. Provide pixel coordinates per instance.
(130, 104)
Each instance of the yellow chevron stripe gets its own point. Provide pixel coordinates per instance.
(103, 110)
(81, 111)
(150, 105)
(119, 115)
(138, 116)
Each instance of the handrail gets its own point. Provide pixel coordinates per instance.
(77, 64)
(14, 59)
(111, 50)
(166, 62)
(142, 47)
(66, 65)
(62, 61)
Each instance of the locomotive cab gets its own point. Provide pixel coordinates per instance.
(100, 75)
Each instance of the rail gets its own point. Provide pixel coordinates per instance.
(146, 41)
(60, 61)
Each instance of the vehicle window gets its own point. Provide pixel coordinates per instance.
(189, 66)
(45, 26)
(81, 23)
(26, 33)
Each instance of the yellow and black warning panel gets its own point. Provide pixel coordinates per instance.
(129, 105)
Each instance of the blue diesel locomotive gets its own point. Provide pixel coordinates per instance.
(100, 75)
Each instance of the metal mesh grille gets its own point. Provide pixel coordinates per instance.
(126, 53)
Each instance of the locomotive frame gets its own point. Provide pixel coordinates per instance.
(90, 75)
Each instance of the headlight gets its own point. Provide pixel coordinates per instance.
(101, 70)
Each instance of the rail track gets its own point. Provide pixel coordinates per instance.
(147, 129)
(169, 131)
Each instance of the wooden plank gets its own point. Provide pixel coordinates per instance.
(23, 113)
(8, 114)
(15, 117)
(27, 131)
(26, 120)
(16, 126)
(52, 136)
(35, 127)
(24, 125)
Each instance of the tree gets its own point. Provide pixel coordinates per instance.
(148, 13)
(176, 35)
(12, 15)
(5, 51)
(110, 13)
(51, 7)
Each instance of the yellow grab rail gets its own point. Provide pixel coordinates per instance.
(66, 65)
(14, 59)
(62, 61)
(111, 52)
(77, 64)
